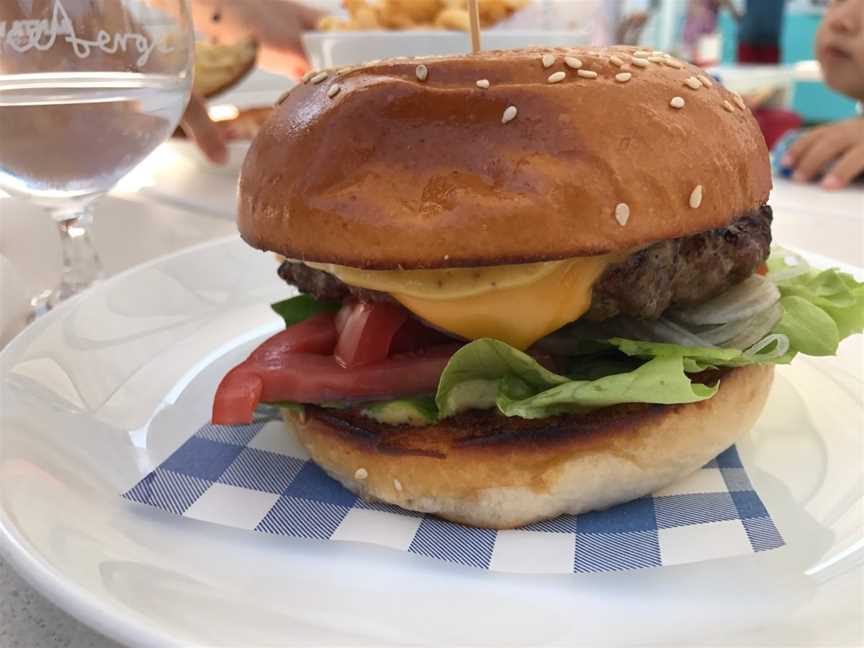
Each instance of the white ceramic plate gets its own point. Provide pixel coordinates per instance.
(104, 388)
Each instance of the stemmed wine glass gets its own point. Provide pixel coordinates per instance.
(88, 88)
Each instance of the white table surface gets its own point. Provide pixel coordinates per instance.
(133, 226)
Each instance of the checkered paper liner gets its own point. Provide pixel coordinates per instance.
(257, 477)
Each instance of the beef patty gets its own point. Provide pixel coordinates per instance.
(686, 270)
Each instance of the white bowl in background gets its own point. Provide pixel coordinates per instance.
(332, 49)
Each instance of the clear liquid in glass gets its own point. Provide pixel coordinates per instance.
(69, 136)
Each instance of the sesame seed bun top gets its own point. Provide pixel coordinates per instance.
(414, 164)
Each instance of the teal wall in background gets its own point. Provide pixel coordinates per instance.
(815, 102)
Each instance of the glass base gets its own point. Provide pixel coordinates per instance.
(49, 299)
(81, 265)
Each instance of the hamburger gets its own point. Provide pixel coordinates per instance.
(531, 282)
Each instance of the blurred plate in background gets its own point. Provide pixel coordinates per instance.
(332, 49)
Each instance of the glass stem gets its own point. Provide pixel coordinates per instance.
(81, 264)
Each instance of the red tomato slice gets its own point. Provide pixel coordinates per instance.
(314, 378)
(237, 396)
(414, 335)
(343, 314)
(240, 390)
(314, 335)
(296, 365)
(307, 378)
(368, 331)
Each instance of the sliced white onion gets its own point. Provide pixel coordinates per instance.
(739, 302)
(743, 333)
(780, 350)
(664, 330)
(568, 340)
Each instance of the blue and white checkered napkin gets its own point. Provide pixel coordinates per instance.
(257, 477)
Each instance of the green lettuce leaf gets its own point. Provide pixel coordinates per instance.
(487, 373)
(810, 329)
(834, 292)
(302, 307)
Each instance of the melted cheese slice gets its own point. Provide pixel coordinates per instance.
(444, 284)
(517, 304)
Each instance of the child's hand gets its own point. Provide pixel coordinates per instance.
(839, 148)
(197, 125)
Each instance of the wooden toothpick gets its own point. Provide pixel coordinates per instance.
(474, 15)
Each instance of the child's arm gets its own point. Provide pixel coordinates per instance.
(839, 148)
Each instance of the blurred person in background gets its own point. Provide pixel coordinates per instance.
(701, 21)
(835, 153)
(633, 16)
(759, 28)
(277, 26)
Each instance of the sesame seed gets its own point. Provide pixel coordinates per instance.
(693, 83)
(622, 213)
(739, 101)
(557, 77)
(640, 62)
(548, 60)
(696, 197)
(509, 114)
(677, 102)
(617, 61)
(333, 90)
(656, 59)
(308, 75)
(283, 96)
(422, 72)
(659, 53)
(642, 53)
(673, 63)
(318, 78)
(482, 83)
(397, 484)
(587, 74)
(344, 70)
(572, 62)
(705, 81)
(728, 106)
(361, 473)
(623, 77)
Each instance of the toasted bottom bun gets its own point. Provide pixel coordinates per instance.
(486, 470)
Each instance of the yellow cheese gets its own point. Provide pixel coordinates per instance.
(443, 284)
(518, 316)
(517, 304)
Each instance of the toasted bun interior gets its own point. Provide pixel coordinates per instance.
(408, 163)
(486, 470)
